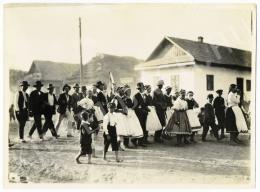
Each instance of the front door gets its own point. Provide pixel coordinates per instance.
(240, 85)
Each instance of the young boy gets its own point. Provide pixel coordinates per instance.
(110, 136)
(85, 136)
(209, 119)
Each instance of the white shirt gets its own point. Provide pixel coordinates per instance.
(50, 99)
(233, 99)
(16, 107)
(180, 104)
(109, 118)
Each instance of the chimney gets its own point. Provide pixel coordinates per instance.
(200, 39)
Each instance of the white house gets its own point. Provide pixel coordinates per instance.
(197, 66)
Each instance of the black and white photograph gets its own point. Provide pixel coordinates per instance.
(129, 94)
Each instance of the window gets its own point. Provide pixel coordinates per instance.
(175, 82)
(210, 82)
(248, 85)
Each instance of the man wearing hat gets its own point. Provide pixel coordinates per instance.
(83, 92)
(101, 97)
(219, 106)
(21, 102)
(64, 110)
(36, 105)
(76, 97)
(209, 119)
(50, 103)
(141, 111)
(160, 107)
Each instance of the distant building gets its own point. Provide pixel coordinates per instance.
(198, 66)
(50, 72)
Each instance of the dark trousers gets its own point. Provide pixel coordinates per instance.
(221, 120)
(206, 129)
(37, 124)
(112, 140)
(22, 117)
(142, 117)
(49, 125)
(161, 115)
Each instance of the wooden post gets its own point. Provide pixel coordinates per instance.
(80, 47)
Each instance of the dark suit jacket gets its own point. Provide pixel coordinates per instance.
(75, 98)
(209, 114)
(48, 109)
(159, 100)
(101, 99)
(36, 104)
(63, 103)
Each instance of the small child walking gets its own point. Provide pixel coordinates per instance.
(110, 135)
(85, 137)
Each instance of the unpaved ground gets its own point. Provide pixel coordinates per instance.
(52, 161)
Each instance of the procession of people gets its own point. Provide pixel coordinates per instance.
(127, 122)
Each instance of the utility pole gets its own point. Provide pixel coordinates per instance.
(80, 48)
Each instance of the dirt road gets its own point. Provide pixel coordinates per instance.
(52, 161)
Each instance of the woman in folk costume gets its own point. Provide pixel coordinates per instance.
(153, 123)
(179, 122)
(169, 99)
(235, 120)
(122, 128)
(132, 120)
(192, 115)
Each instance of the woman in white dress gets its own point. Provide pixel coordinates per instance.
(235, 121)
(132, 120)
(153, 123)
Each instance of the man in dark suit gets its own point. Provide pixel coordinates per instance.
(141, 111)
(76, 97)
(21, 108)
(101, 97)
(219, 106)
(160, 104)
(83, 92)
(64, 109)
(50, 103)
(36, 108)
(209, 119)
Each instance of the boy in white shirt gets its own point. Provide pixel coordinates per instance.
(110, 135)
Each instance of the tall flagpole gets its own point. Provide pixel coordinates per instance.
(80, 47)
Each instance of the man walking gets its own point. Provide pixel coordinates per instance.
(76, 97)
(219, 106)
(50, 103)
(36, 109)
(160, 104)
(21, 108)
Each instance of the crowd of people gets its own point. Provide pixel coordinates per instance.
(125, 120)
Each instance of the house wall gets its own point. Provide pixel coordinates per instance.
(185, 80)
(223, 77)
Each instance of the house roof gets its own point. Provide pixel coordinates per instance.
(215, 54)
(199, 53)
(52, 70)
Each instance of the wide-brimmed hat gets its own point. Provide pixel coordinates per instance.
(210, 96)
(190, 92)
(38, 84)
(76, 85)
(66, 85)
(51, 86)
(139, 85)
(168, 87)
(99, 83)
(219, 91)
(24, 83)
(160, 82)
(84, 87)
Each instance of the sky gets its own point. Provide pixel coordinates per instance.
(51, 32)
